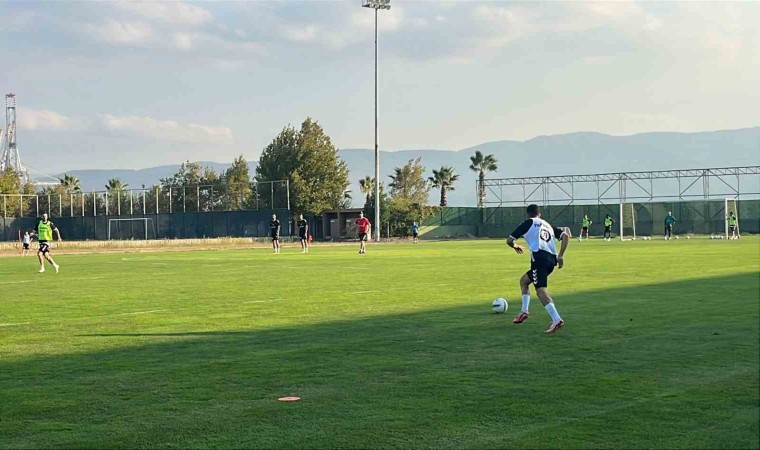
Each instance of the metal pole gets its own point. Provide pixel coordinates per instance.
(287, 187)
(94, 204)
(377, 150)
(184, 199)
(106, 197)
(170, 199)
(131, 203)
(71, 205)
(158, 191)
(271, 187)
(144, 202)
(82, 196)
(198, 198)
(60, 205)
(37, 197)
(118, 203)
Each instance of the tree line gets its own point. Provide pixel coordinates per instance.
(317, 180)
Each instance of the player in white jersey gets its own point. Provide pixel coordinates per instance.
(540, 236)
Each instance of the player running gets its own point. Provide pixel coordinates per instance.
(26, 240)
(584, 227)
(364, 227)
(415, 232)
(733, 229)
(45, 229)
(540, 236)
(608, 222)
(274, 230)
(303, 233)
(669, 222)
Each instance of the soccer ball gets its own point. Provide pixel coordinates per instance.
(499, 306)
(676, 237)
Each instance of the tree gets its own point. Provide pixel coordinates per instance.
(444, 180)
(482, 164)
(409, 183)
(114, 184)
(238, 183)
(70, 184)
(347, 201)
(193, 188)
(308, 159)
(367, 186)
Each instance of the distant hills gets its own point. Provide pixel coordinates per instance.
(574, 153)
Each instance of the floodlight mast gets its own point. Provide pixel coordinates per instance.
(376, 5)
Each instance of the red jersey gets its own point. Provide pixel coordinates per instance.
(363, 224)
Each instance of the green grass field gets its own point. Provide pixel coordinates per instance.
(395, 348)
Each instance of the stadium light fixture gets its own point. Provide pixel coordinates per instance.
(377, 5)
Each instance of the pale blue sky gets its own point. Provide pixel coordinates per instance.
(135, 84)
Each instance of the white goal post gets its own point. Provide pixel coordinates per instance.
(627, 222)
(731, 206)
(144, 221)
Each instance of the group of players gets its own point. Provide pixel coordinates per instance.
(539, 236)
(669, 222)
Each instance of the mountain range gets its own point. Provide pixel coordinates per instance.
(573, 153)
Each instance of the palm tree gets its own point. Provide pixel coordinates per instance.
(367, 187)
(70, 184)
(482, 164)
(444, 180)
(347, 200)
(115, 184)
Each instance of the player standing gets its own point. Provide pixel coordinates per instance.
(303, 233)
(540, 236)
(669, 222)
(733, 229)
(364, 227)
(415, 232)
(274, 230)
(45, 229)
(25, 241)
(584, 227)
(608, 222)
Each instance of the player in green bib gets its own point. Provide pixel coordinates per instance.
(45, 230)
(733, 229)
(584, 227)
(608, 222)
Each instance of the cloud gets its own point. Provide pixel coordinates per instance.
(119, 32)
(169, 130)
(43, 119)
(173, 12)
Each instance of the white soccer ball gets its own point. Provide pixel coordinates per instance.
(676, 237)
(687, 237)
(499, 306)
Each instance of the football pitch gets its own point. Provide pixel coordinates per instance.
(395, 348)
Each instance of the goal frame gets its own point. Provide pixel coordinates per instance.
(621, 223)
(735, 201)
(144, 220)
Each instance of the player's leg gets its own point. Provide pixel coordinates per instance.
(525, 281)
(39, 257)
(544, 269)
(49, 258)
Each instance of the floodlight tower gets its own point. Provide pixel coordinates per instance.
(377, 5)
(10, 158)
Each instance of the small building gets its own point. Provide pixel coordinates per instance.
(339, 223)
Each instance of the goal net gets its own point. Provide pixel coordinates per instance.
(127, 229)
(731, 206)
(627, 222)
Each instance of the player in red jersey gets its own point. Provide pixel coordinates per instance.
(364, 227)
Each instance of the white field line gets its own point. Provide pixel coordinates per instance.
(61, 276)
(14, 324)
(141, 312)
(262, 301)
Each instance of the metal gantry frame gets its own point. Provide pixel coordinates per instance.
(692, 184)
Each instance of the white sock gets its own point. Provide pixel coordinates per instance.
(553, 312)
(525, 302)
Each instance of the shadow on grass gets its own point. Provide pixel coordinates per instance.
(643, 367)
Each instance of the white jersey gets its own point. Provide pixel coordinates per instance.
(26, 239)
(539, 235)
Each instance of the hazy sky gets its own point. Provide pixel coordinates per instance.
(135, 84)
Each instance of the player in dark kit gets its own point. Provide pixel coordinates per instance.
(303, 233)
(540, 236)
(274, 230)
(45, 229)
